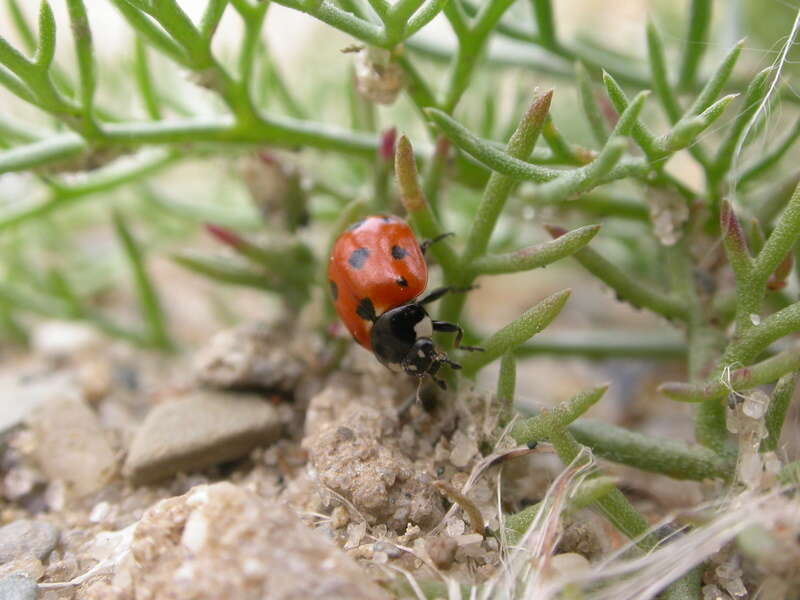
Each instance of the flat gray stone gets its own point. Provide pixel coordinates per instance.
(24, 536)
(198, 431)
(17, 587)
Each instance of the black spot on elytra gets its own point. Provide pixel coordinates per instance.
(358, 258)
(401, 281)
(334, 289)
(398, 253)
(355, 225)
(366, 310)
(386, 219)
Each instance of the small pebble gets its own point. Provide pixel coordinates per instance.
(390, 550)
(339, 517)
(712, 592)
(64, 339)
(463, 450)
(442, 551)
(71, 444)
(19, 481)
(29, 566)
(568, 564)
(468, 539)
(17, 587)
(100, 511)
(27, 537)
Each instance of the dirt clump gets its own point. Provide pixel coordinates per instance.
(220, 541)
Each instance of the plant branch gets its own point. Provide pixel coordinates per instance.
(627, 288)
(536, 256)
(739, 380)
(519, 331)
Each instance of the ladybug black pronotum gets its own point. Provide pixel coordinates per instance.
(377, 271)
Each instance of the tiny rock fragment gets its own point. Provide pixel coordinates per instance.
(569, 564)
(712, 592)
(64, 339)
(30, 393)
(464, 448)
(17, 587)
(355, 533)
(71, 444)
(55, 495)
(27, 565)
(339, 517)
(729, 577)
(96, 379)
(412, 533)
(250, 356)
(468, 539)
(200, 430)
(62, 569)
(581, 538)
(19, 481)
(455, 526)
(389, 549)
(221, 541)
(25, 536)
(442, 551)
(100, 512)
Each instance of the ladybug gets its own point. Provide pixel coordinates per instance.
(376, 273)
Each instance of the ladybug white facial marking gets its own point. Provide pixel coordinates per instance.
(424, 328)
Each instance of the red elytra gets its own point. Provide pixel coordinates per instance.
(375, 265)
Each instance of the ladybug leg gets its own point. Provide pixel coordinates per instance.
(434, 369)
(434, 295)
(428, 243)
(447, 327)
(451, 363)
(408, 402)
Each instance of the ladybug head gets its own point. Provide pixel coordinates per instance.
(422, 358)
(401, 340)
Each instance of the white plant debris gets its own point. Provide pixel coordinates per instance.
(378, 78)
